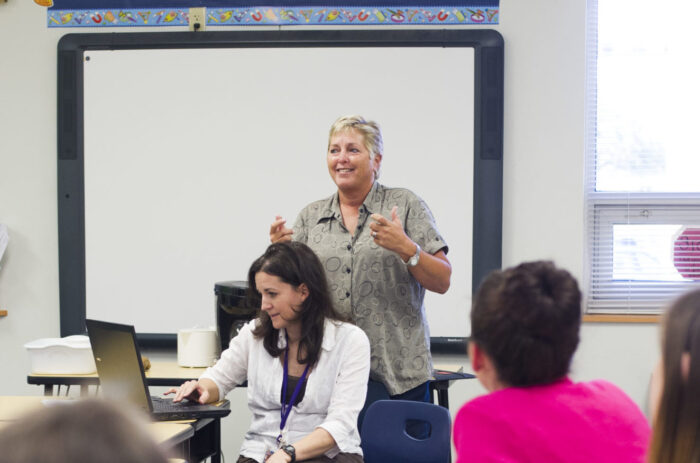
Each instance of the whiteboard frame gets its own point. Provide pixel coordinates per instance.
(488, 139)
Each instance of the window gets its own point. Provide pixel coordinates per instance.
(642, 155)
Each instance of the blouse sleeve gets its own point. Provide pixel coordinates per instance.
(300, 231)
(350, 390)
(232, 368)
(420, 226)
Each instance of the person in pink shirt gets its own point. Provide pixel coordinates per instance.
(525, 329)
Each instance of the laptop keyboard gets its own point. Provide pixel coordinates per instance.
(163, 404)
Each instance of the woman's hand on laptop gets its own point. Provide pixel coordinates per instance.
(202, 391)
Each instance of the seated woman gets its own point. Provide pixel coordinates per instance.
(525, 329)
(306, 368)
(675, 404)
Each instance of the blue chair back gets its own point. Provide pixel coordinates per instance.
(384, 436)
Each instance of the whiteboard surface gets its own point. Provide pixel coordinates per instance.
(189, 155)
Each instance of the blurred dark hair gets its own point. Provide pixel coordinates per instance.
(295, 263)
(527, 319)
(676, 436)
(86, 430)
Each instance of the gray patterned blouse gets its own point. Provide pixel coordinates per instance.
(373, 285)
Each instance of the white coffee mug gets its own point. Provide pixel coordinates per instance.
(197, 347)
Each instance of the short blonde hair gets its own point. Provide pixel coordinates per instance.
(371, 133)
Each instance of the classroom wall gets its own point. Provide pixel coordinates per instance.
(543, 186)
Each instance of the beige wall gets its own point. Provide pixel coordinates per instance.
(543, 186)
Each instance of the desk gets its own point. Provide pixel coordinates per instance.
(206, 441)
(443, 375)
(194, 440)
(170, 374)
(160, 374)
(171, 435)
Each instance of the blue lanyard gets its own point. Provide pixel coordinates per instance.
(287, 407)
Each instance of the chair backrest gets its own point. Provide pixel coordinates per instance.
(384, 436)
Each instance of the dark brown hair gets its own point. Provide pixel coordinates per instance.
(527, 320)
(86, 430)
(676, 436)
(295, 263)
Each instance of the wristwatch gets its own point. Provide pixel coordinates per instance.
(289, 450)
(413, 261)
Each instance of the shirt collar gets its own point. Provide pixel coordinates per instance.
(372, 203)
(282, 339)
(373, 200)
(330, 330)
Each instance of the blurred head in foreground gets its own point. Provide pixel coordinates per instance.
(84, 430)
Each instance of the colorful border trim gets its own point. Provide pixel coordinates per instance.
(254, 16)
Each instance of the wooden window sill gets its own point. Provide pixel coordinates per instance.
(620, 318)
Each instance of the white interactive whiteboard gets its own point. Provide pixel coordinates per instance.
(190, 152)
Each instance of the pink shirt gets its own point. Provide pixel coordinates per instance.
(559, 422)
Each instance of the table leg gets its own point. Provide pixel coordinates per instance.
(443, 398)
(440, 387)
(216, 457)
(48, 389)
(206, 442)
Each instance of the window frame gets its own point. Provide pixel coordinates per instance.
(604, 209)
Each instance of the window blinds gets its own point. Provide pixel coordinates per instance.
(642, 160)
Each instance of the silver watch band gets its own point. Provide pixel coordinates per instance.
(413, 261)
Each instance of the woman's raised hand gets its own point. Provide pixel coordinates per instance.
(278, 232)
(390, 234)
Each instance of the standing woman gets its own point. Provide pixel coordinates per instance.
(306, 369)
(381, 250)
(675, 404)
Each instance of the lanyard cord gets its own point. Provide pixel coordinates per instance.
(287, 407)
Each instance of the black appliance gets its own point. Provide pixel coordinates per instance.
(232, 310)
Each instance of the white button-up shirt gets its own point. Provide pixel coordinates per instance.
(335, 388)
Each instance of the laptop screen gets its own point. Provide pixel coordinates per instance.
(118, 362)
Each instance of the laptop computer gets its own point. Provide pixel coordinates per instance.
(122, 376)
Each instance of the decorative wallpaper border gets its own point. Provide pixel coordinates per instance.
(328, 16)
